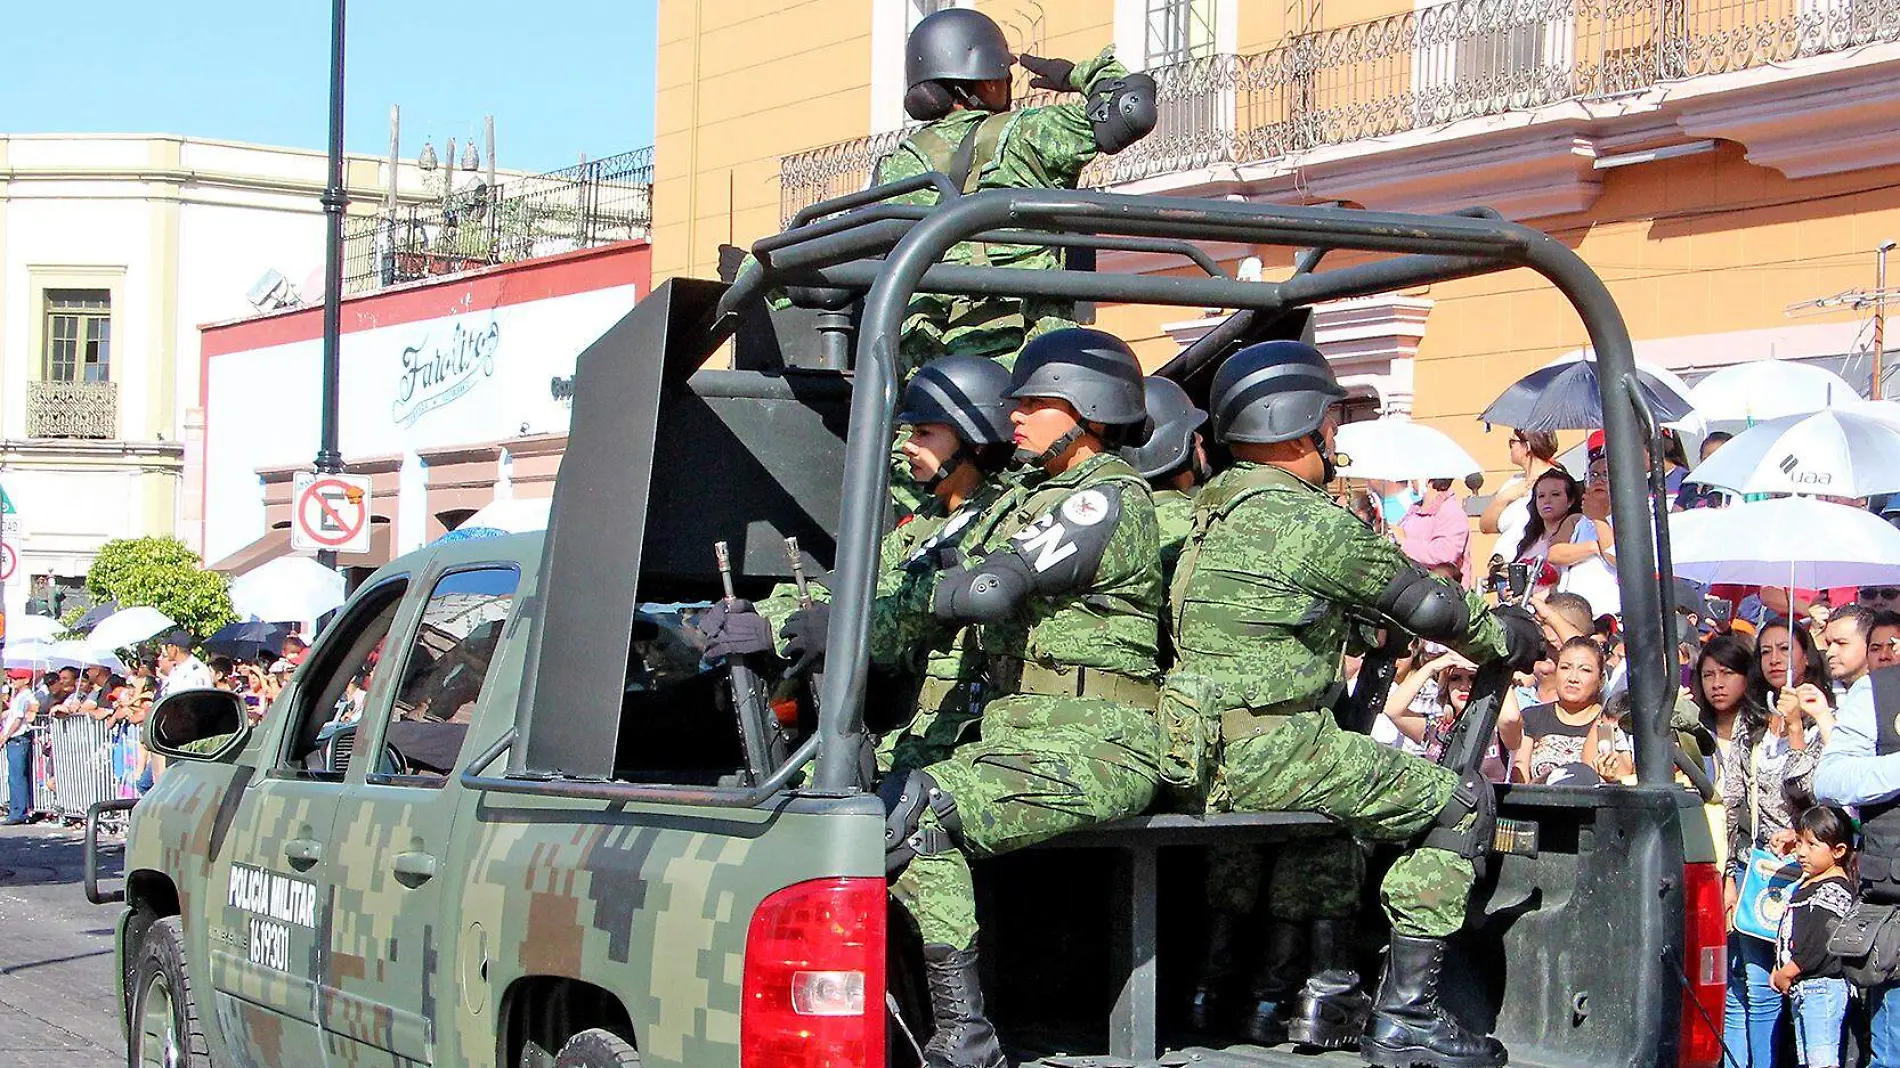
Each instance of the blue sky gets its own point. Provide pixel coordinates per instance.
(561, 78)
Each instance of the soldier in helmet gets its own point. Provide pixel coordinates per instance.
(957, 76)
(1173, 460)
(959, 444)
(1063, 591)
(1270, 548)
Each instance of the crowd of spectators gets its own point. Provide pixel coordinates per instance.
(42, 708)
(1764, 670)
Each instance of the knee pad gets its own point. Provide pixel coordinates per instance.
(905, 798)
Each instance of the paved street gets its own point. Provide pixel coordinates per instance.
(56, 985)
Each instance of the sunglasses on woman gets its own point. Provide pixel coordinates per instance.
(1879, 593)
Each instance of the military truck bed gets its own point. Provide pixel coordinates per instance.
(1239, 1056)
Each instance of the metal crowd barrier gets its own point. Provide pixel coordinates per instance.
(77, 763)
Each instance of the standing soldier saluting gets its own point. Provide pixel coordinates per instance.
(1259, 607)
(957, 72)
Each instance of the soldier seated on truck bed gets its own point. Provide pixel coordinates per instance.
(958, 447)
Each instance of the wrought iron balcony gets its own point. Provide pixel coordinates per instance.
(1437, 64)
(72, 410)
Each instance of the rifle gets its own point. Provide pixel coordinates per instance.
(758, 728)
(1362, 708)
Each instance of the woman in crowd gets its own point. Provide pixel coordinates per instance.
(1589, 560)
(1556, 504)
(1427, 725)
(1767, 778)
(1721, 685)
(1570, 741)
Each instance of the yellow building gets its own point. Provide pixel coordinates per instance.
(1720, 162)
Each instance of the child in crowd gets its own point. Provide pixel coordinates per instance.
(1807, 973)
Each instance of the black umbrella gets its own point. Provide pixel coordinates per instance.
(1563, 396)
(244, 641)
(94, 616)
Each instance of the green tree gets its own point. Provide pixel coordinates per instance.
(162, 572)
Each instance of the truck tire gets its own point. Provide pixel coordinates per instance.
(597, 1048)
(165, 1031)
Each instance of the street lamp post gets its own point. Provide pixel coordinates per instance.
(329, 457)
(1880, 317)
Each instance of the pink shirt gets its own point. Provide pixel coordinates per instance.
(1438, 534)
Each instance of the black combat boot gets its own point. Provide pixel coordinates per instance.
(1282, 967)
(1332, 1008)
(1208, 1004)
(962, 1036)
(1410, 1028)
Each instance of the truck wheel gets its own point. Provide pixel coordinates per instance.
(597, 1048)
(165, 1031)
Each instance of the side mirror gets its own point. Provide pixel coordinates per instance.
(197, 725)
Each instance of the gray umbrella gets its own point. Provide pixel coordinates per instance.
(1563, 396)
(93, 616)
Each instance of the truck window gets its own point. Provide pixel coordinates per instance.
(445, 667)
(677, 724)
(333, 684)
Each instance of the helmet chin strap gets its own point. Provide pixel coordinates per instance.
(1333, 460)
(1056, 448)
(944, 471)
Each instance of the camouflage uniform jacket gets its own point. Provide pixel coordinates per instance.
(1113, 624)
(1174, 517)
(1260, 598)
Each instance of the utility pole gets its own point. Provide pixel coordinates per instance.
(329, 457)
(1880, 317)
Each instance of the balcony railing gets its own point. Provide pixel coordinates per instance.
(595, 203)
(72, 410)
(1450, 61)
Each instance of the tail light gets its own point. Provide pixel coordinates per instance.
(1705, 962)
(814, 977)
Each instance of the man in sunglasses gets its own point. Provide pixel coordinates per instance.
(1879, 598)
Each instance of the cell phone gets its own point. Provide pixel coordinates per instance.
(1518, 577)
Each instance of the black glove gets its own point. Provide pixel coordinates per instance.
(1049, 73)
(1523, 637)
(734, 628)
(805, 633)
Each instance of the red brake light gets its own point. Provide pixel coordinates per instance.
(814, 977)
(1705, 961)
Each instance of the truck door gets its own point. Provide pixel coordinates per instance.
(269, 894)
(393, 948)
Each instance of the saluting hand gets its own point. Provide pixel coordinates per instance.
(1049, 73)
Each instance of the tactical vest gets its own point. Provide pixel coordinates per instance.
(1880, 824)
(1213, 503)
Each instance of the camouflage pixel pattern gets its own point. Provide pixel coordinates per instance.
(1045, 765)
(1259, 620)
(1259, 601)
(1037, 148)
(647, 902)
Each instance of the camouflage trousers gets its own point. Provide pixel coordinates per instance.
(931, 736)
(1044, 765)
(1376, 792)
(1313, 877)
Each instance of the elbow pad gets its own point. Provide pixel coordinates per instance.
(1431, 609)
(1122, 111)
(989, 590)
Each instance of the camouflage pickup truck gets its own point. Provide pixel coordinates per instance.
(554, 834)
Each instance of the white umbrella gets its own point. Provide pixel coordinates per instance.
(128, 627)
(37, 655)
(1840, 452)
(32, 628)
(1401, 450)
(287, 589)
(1754, 392)
(81, 652)
(1787, 541)
(515, 515)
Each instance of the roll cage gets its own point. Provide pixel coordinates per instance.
(863, 245)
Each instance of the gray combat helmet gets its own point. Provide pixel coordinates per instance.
(956, 45)
(964, 393)
(1272, 391)
(1168, 434)
(1095, 372)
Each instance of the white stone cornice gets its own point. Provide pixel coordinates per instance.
(1828, 123)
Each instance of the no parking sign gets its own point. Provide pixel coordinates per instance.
(330, 512)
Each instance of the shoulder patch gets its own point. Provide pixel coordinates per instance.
(1085, 509)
